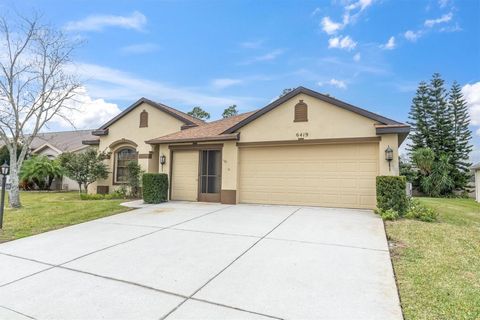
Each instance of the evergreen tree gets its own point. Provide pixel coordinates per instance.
(420, 119)
(461, 135)
(441, 126)
(230, 111)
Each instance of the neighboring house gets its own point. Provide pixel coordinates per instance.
(304, 148)
(52, 144)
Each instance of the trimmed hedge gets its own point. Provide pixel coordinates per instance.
(155, 187)
(391, 194)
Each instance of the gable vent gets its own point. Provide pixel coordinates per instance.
(301, 112)
(144, 119)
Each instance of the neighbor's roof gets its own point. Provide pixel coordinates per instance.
(475, 166)
(383, 120)
(185, 118)
(212, 131)
(63, 141)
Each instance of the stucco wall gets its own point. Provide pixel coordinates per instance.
(128, 127)
(324, 121)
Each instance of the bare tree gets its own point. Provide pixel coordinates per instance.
(35, 85)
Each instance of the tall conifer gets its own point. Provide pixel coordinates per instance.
(461, 135)
(419, 119)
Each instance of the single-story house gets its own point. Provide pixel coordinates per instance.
(52, 144)
(304, 148)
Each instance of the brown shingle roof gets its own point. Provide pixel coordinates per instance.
(211, 131)
(64, 141)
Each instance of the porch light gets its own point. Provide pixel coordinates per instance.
(163, 159)
(389, 156)
(4, 169)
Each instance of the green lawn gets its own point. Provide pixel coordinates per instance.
(438, 264)
(44, 211)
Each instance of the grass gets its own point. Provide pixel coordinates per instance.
(437, 265)
(44, 211)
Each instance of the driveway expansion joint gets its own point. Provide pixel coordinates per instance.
(18, 312)
(328, 244)
(231, 263)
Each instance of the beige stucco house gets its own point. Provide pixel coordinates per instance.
(305, 148)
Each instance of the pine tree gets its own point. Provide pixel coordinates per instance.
(441, 126)
(462, 135)
(419, 119)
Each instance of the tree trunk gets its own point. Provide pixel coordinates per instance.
(14, 194)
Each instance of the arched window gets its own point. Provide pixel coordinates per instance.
(301, 112)
(143, 119)
(122, 157)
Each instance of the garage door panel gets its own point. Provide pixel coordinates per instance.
(185, 175)
(322, 175)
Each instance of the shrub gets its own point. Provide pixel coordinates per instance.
(155, 187)
(389, 214)
(420, 212)
(41, 171)
(85, 196)
(134, 172)
(109, 196)
(391, 194)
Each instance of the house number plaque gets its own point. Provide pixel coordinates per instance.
(302, 134)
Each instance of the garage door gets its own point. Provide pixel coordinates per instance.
(185, 175)
(340, 175)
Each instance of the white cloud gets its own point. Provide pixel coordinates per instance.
(225, 82)
(140, 48)
(360, 4)
(330, 27)
(412, 35)
(135, 21)
(113, 84)
(443, 19)
(272, 55)
(334, 82)
(390, 45)
(443, 3)
(85, 112)
(471, 93)
(357, 57)
(342, 43)
(315, 11)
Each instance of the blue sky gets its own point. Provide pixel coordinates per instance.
(216, 53)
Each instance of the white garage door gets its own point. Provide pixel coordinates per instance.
(185, 175)
(341, 175)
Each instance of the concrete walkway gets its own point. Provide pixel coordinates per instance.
(204, 261)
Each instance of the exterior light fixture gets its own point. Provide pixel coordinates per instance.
(4, 170)
(389, 156)
(163, 159)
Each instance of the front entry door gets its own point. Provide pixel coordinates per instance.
(210, 179)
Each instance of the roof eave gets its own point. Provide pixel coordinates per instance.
(202, 139)
(319, 96)
(91, 142)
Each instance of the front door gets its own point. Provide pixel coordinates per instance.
(210, 175)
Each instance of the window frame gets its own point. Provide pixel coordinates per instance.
(116, 159)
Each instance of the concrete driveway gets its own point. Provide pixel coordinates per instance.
(204, 261)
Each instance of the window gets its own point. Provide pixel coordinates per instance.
(122, 158)
(143, 119)
(301, 112)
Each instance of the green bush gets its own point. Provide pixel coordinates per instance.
(85, 196)
(155, 187)
(109, 196)
(391, 194)
(420, 212)
(389, 214)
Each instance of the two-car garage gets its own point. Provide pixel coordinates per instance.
(331, 175)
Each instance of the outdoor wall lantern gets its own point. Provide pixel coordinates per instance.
(389, 156)
(163, 159)
(4, 170)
